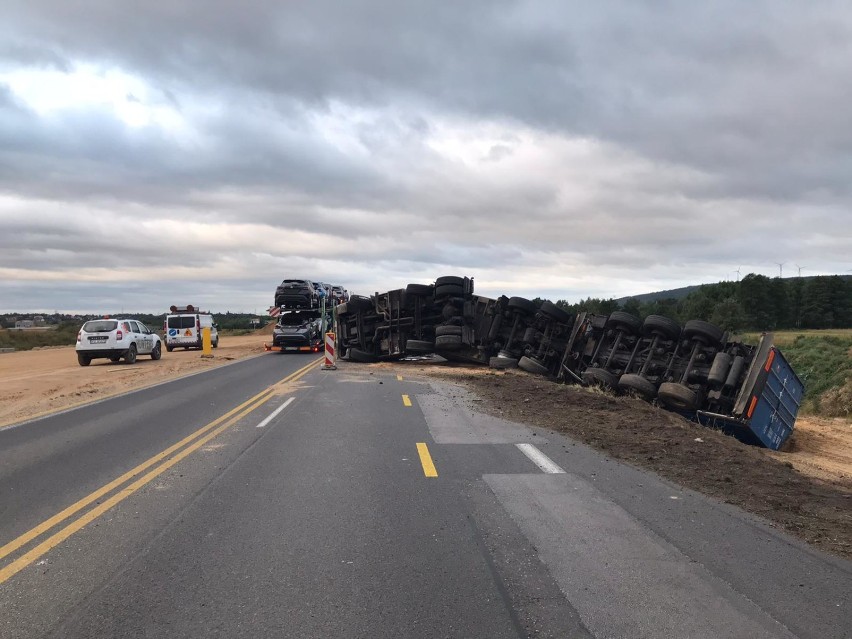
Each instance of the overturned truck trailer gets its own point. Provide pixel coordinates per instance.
(696, 369)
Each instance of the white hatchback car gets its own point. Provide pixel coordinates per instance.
(115, 339)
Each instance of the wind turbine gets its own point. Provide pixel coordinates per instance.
(738, 273)
(800, 269)
(780, 268)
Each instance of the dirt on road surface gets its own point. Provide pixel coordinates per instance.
(806, 490)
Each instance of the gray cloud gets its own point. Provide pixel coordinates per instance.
(563, 147)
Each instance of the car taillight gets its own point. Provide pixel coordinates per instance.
(79, 335)
(119, 335)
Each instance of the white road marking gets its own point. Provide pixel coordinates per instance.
(540, 459)
(275, 413)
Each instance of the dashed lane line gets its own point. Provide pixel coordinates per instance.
(275, 413)
(195, 441)
(426, 460)
(540, 459)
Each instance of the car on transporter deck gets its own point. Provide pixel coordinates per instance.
(115, 339)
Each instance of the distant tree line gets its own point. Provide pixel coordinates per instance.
(755, 303)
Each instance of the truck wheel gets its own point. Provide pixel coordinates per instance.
(419, 346)
(448, 342)
(157, 353)
(359, 303)
(114, 359)
(631, 383)
(452, 280)
(705, 332)
(83, 360)
(502, 363)
(216, 343)
(678, 396)
(521, 304)
(419, 290)
(357, 355)
(169, 348)
(661, 325)
(449, 290)
(624, 321)
(551, 310)
(130, 355)
(599, 377)
(532, 365)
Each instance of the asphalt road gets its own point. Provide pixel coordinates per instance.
(269, 498)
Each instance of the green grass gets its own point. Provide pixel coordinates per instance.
(64, 334)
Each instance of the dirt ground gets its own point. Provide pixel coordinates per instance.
(806, 489)
(45, 380)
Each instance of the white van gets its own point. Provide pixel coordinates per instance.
(183, 328)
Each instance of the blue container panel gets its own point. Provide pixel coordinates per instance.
(777, 403)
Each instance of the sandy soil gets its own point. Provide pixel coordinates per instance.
(806, 489)
(41, 381)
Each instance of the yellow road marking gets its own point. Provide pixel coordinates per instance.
(399, 378)
(406, 400)
(425, 460)
(232, 417)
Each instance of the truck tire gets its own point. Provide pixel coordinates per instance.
(532, 365)
(624, 321)
(447, 330)
(453, 280)
(600, 377)
(449, 290)
(419, 346)
(157, 353)
(631, 383)
(420, 290)
(678, 396)
(83, 360)
(359, 303)
(662, 326)
(705, 332)
(130, 355)
(169, 348)
(551, 310)
(448, 342)
(502, 363)
(522, 304)
(357, 355)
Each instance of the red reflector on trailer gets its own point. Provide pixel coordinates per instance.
(751, 406)
(769, 360)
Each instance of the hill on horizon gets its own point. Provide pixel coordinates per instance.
(680, 293)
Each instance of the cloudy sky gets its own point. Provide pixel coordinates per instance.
(200, 152)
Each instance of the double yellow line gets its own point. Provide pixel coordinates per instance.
(157, 464)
